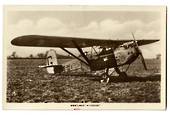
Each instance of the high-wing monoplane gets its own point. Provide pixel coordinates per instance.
(104, 54)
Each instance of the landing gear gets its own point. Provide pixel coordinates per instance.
(105, 77)
(122, 75)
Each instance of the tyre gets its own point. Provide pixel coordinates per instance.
(105, 78)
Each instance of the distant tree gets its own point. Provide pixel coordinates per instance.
(46, 54)
(8, 57)
(41, 55)
(158, 56)
(31, 56)
(14, 55)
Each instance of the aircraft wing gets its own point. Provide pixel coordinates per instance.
(69, 42)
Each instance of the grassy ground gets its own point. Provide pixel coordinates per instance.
(28, 83)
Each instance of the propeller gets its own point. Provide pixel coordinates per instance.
(143, 61)
(140, 52)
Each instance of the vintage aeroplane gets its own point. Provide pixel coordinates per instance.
(111, 54)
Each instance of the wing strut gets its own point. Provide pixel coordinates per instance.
(74, 56)
(81, 52)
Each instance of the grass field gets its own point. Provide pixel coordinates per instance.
(26, 83)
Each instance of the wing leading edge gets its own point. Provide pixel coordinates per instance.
(67, 42)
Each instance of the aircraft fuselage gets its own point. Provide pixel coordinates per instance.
(122, 55)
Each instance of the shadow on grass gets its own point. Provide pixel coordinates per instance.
(131, 78)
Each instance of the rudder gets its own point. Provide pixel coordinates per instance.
(52, 63)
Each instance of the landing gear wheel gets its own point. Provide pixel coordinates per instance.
(105, 78)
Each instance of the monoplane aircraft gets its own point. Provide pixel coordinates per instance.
(110, 53)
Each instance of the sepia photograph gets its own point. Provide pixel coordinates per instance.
(84, 57)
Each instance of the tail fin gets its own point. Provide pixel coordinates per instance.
(52, 63)
(51, 58)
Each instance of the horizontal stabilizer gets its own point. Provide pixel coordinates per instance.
(46, 66)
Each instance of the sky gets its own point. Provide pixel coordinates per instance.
(99, 24)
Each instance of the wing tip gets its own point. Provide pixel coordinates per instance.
(13, 42)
